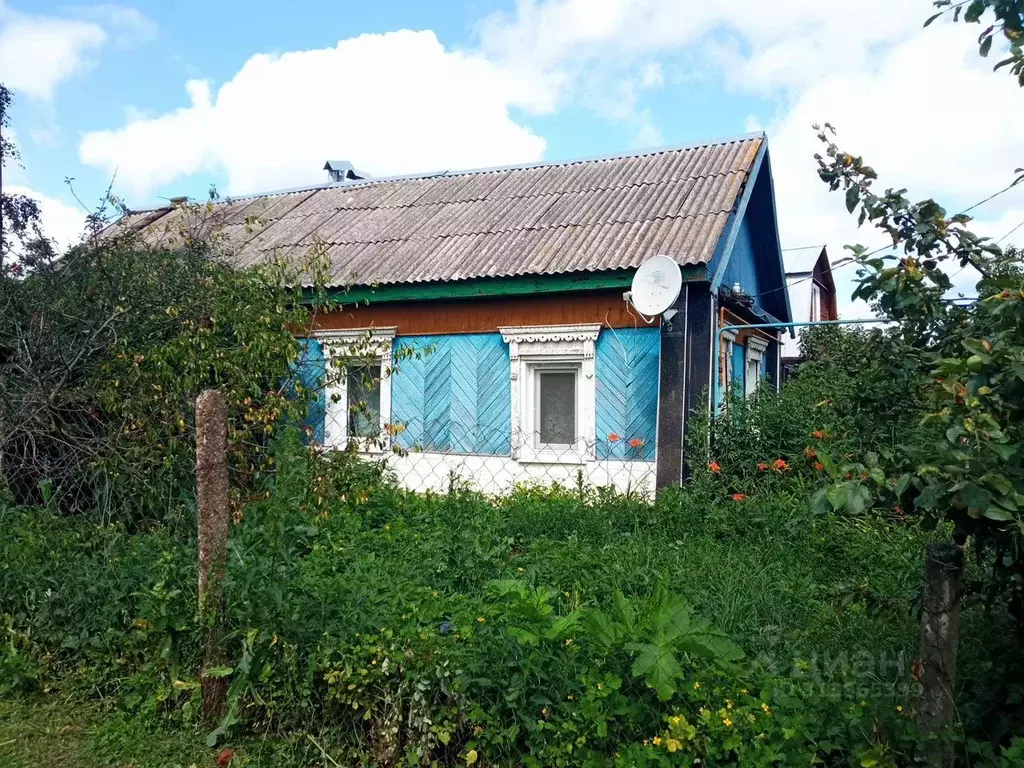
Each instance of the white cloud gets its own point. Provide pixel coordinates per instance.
(393, 103)
(652, 75)
(62, 224)
(930, 152)
(890, 86)
(37, 52)
(128, 26)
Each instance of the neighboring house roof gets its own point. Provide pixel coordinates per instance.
(542, 219)
(805, 266)
(799, 261)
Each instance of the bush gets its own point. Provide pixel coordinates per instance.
(552, 627)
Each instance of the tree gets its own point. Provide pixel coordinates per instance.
(973, 355)
(22, 242)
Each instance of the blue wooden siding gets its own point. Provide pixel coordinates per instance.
(627, 369)
(744, 267)
(311, 370)
(454, 395)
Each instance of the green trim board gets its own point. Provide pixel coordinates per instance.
(498, 286)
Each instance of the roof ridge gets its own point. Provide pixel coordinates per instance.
(360, 183)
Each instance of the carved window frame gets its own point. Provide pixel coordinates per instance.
(360, 344)
(533, 349)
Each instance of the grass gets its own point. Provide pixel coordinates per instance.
(62, 734)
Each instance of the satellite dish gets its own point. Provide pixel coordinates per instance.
(656, 285)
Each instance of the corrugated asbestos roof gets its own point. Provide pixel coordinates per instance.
(578, 216)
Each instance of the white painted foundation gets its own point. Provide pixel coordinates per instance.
(500, 474)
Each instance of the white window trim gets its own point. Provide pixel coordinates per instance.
(755, 349)
(359, 343)
(725, 369)
(533, 348)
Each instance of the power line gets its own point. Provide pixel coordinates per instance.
(850, 260)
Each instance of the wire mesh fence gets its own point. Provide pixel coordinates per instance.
(493, 461)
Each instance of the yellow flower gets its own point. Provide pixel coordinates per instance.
(728, 703)
(521, 570)
(673, 745)
(435, 594)
(727, 722)
(696, 686)
(471, 757)
(480, 619)
(657, 741)
(767, 709)
(676, 721)
(744, 691)
(899, 708)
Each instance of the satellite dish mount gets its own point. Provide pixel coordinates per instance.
(656, 286)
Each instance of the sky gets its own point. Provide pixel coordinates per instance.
(157, 100)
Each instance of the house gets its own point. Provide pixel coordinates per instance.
(481, 315)
(812, 294)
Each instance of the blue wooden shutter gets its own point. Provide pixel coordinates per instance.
(454, 396)
(311, 369)
(481, 402)
(627, 370)
(739, 364)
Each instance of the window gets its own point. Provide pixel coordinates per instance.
(815, 302)
(358, 387)
(551, 368)
(756, 347)
(554, 407)
(362, 386)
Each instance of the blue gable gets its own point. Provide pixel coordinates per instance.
(749, 252)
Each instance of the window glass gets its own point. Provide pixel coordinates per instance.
(363, 383)
(556, 408)
(815, 302)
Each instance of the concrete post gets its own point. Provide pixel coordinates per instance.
(214, 521)
(935, 668)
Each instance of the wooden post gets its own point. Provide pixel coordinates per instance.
(935, 668)
(214, 521)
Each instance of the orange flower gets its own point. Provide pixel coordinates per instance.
(809, 452)
(762, 467)
(738, 496)
(780, 465)
(818, 434)
(715, 467)
(848, 476)
(613, 438)
(898, 509)
(819, 466)
(637, 442)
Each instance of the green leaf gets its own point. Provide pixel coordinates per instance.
(852, 198)
(998, 513)
(976, 498)
(602, 628)
(986, 46)
(933, 17)
(837, 496)
(820, 505)
(218, 672)
(858, 499)
(902, 484)
(974, 11)
(1003, 450)
(657, 665)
